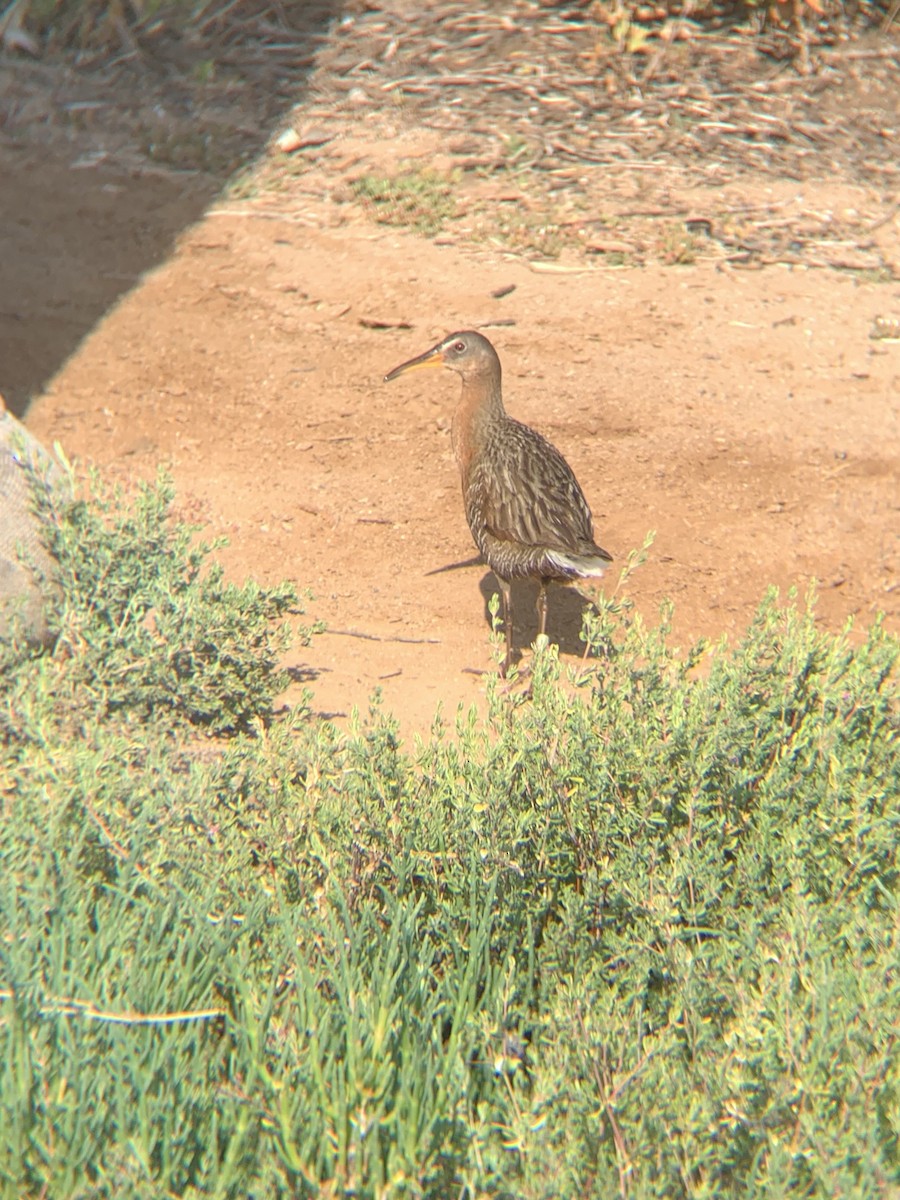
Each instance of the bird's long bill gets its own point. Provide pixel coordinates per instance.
(431, 358)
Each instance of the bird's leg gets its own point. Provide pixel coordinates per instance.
(542, 606)
(506, 593)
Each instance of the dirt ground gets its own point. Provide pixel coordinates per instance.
(707, 367)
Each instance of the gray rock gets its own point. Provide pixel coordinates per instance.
(27, 582)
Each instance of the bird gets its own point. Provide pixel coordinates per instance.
(525, 508)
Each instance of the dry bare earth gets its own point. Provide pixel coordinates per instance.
(736, 404)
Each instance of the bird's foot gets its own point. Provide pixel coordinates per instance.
(516, 677)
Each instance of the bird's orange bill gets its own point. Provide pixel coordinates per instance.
(431, 358)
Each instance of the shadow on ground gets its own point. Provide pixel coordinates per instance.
(102, 167)
(564, 615)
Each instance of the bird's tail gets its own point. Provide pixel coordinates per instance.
(586, 566)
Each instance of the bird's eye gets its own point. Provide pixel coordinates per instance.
(459, 347)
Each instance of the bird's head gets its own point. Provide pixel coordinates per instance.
(467, 353)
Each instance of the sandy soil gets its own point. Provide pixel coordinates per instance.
(745, 415)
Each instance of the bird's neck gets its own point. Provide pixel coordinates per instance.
(480, 406)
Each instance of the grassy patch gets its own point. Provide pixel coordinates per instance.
(419, 200)
(530, 233)
(637, 938)
(677, 247)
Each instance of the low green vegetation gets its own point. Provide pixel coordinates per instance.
(148, 627)
(416, 199)
(633, 934)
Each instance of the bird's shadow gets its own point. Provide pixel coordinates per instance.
(302, 673)
(565, 611)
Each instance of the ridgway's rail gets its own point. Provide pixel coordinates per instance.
(525, 508)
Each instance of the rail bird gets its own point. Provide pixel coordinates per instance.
(525, 508)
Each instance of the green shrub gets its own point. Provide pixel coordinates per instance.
(148, 626)
(634, 933)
